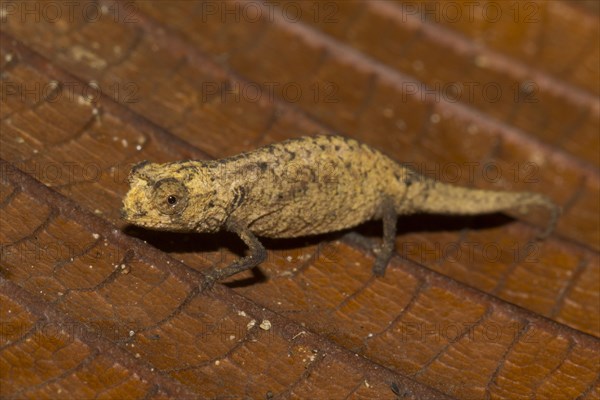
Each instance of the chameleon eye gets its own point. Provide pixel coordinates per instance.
(170, 196)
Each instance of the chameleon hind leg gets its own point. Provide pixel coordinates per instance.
(389, 217)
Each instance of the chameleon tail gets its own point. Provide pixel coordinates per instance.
(448, 199)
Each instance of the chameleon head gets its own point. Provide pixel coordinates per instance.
(162, 196)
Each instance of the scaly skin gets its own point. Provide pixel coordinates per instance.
(299, 187)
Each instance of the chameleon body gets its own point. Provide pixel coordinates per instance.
(299, 187)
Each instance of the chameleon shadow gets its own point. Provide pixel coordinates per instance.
(175, 242)
(414, 223)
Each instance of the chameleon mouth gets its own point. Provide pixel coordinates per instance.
(132, 217)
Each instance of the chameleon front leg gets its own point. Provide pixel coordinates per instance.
(257, 255)
(390, 218)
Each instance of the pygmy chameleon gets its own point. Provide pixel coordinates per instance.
(298, 187)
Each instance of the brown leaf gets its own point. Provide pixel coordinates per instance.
(470, 307)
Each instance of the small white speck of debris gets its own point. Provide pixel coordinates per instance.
(71, 260)
(95, 111)
(299, 334)
(123, 266)
(482, 61)
(231, 337)
(289, 258)
(84, 101)
(217, 362)
(242, 314)
(138, 147)
(91, 266)
(8, 57)
(98, 212)
(19, 139)
(435, 118)
(137, 355)
(131, 333)
(265, 324)
(538, 158)
(35, 151)
(251, 324)
(60, 293)
(370, 335)
(95, 235)
(367, 384)
(124, 142)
